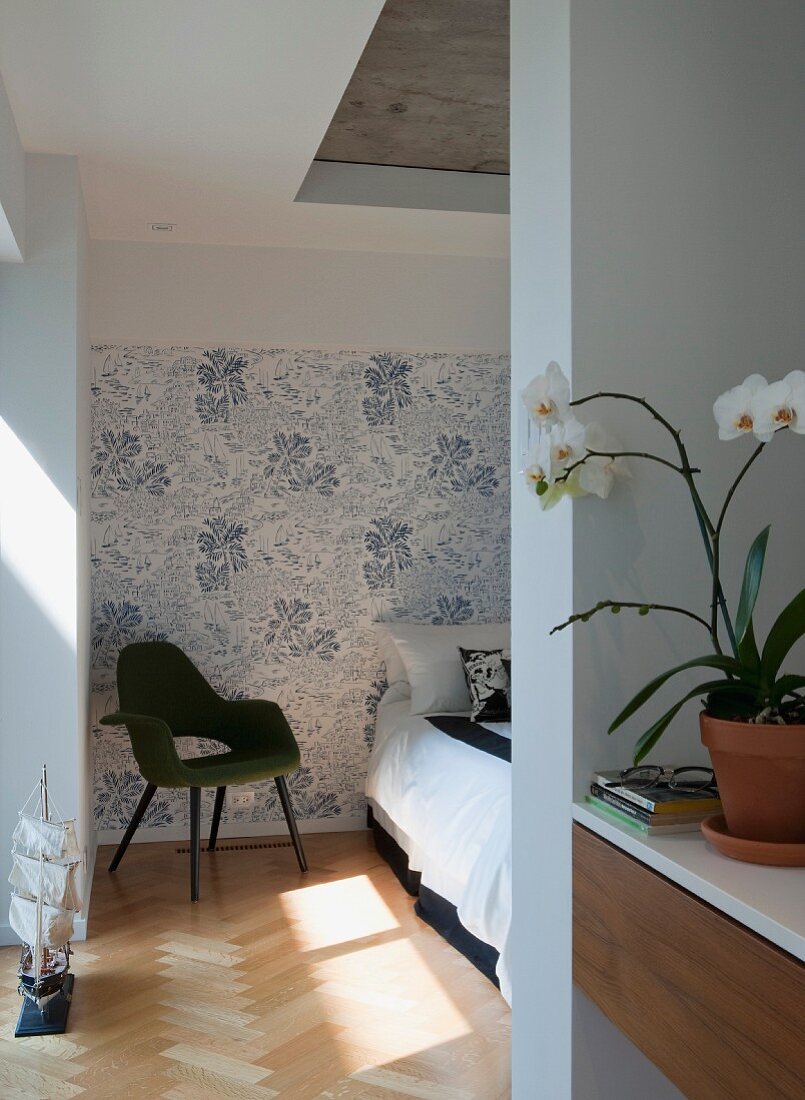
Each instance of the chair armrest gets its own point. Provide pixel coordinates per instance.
(257, 724)
(153, 747)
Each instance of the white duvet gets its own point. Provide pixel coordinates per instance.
(448, 806)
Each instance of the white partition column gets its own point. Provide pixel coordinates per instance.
(542, 560)
(44, 603)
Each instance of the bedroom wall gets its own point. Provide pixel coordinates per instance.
(687, 277)
(167, 294)
(686, 157)
(12, 185)
(342, 486)
(43, 365)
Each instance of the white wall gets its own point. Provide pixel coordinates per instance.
(195, 294)
(83, 504)
(12, 184)
(687, 276)
(686, 158)
(44, 621)
(607, 1065)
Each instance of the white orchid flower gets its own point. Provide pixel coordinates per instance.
(796, 380)
(535, 472)
(538, 464)
(599, 471)
(733, 410)
(547, 397)
(772, 409)
(565, 443)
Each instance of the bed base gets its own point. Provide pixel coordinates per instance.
(432, 908)
(394, 855)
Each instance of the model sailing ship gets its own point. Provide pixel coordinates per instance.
(44, 902)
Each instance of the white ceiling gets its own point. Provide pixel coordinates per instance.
(207, 113)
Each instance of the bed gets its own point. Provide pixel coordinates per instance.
(440, 808)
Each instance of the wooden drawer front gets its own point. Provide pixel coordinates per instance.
(720, 1010)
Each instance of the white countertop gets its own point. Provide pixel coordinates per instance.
(769, 900)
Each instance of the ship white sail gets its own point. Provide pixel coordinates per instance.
(54, 883)
(44, 901)
(55, 840)
(57, 924)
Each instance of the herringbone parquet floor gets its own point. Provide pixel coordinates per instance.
(323, 986)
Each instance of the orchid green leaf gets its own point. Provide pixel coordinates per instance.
(786, 685)
(652, 735)
(728, 665)
(753, 571)
(787, 630)
(748, 653)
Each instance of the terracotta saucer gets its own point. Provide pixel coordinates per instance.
(751, 851)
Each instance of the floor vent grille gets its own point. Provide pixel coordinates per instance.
(239, 847)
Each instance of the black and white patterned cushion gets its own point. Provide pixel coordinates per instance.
(488, 674)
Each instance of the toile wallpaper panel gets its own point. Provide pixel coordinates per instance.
(261, 508)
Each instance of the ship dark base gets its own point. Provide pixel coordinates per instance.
(53, 1020)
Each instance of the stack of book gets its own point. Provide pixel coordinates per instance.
(655, 811)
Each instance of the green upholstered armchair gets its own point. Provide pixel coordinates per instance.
(163, 695)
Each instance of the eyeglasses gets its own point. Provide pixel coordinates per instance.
(676, 779)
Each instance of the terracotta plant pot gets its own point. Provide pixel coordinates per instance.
(760, 771)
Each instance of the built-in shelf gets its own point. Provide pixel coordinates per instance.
(769, 900)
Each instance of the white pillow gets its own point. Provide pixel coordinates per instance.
(433, 663)
(397, 693)
(395, 669)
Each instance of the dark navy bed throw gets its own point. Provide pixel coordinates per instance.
(473, 734)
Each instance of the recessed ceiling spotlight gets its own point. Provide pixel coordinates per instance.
(163, 227)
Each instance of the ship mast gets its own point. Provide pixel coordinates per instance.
(43, 816)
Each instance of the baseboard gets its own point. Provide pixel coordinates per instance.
(236, 829)
(9, 938)
(82, 922)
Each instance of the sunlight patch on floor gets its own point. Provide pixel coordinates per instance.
(410, 1002)
(408, 982)
(336, 912)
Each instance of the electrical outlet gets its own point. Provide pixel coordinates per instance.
(241, 800)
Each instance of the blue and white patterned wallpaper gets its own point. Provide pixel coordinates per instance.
(262, 507)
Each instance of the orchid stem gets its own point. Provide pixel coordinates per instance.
(621, 454)
(628, 397)
(736, 483)
(604, 604)
(716, 589)
(708, 531)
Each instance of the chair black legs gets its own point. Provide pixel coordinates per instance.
(195, 840)
(136, 818)
(195, 828)
(287, 809)
(220, 794)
